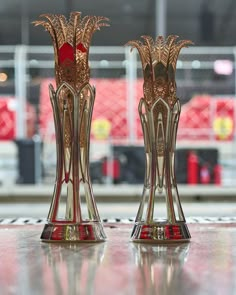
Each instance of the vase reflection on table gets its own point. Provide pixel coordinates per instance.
(72, 268)
(72, 104)
(159, 112)
(160, 267)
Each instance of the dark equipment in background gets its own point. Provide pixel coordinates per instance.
(132, 163)
(205, 161)
(29, 160)
(127, 163)
(132, 166)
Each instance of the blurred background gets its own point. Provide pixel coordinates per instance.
(206, 81)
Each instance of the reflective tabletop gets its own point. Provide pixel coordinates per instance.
(206, 265)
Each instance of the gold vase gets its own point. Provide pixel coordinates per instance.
(159, 112)
(72, 104)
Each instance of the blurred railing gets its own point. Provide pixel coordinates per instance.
(208, 70)
(200, 70)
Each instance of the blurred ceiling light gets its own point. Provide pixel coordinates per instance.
(179, 64)
(3, 77)
(223, 67)
(196, 64)
(33, 62)
(104, 63)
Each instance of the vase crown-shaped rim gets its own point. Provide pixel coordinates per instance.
(159, 59)
(71, 41)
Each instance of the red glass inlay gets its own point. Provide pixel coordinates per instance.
(66, 52)
(173, 232)
(81, 47)
(57, 234)
(86, 232)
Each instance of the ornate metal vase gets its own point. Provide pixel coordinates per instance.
(159, 112)
(72, 104)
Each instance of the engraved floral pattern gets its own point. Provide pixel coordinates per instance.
(71, 41)
(159, 58)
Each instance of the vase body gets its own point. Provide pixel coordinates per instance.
(159, 112)
(72, 104)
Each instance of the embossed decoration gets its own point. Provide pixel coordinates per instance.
(72, 105)
(159, 112)
(159, 59)
(71, 41)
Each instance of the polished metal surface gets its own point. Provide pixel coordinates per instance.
(205, 266)
(160, 232)
(159, 112)
(72, 105)
(81, 232)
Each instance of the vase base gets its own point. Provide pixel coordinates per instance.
(78, 232)
(160, 232)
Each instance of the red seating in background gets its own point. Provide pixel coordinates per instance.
(204, 117)
(110, 104)
(8, 119)
(207, 117)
